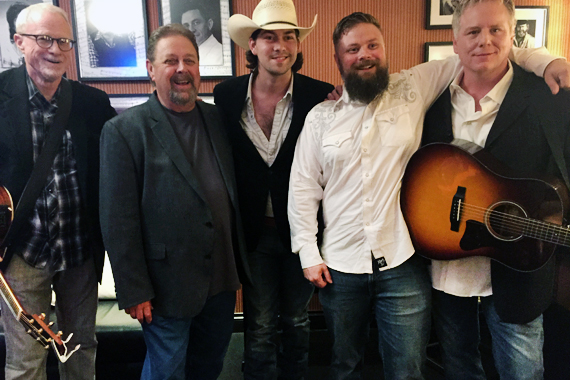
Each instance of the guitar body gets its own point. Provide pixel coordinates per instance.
(497, 213)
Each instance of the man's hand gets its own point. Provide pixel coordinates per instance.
(337, 93)
(557, 75)
(319, 275)
(142, 312)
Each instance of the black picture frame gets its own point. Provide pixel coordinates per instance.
(122, 102)
(536, 18)
(437, 50)
(217, 60)
(10, 55)
(438, 14)
(111, 39)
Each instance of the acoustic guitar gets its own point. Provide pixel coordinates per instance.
(457, 204)
(34, 324)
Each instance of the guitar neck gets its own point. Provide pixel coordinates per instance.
(548, 232)
(10, 298)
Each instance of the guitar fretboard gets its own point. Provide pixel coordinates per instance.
(10, 299)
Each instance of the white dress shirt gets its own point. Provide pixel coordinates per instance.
(211, 52)
(268, 148)
(352, 156)
(470, 276)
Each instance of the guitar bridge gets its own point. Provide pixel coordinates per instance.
(455, 214)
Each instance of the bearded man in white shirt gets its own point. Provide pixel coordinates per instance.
(512, 114)
(351, 156)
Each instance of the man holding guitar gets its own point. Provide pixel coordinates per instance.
(49, 160)
(512, 113)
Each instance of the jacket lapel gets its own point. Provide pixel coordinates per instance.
(17, 110)
(170, 144)
(516, 101)
(222, 150)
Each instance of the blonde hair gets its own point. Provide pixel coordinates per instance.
(460, 6)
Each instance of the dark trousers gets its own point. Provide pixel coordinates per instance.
(276, 307)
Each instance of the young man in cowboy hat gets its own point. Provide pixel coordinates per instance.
(264, 114)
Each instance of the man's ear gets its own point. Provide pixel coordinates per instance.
(337, 61)
(252, 45)
(19, 40)
(150, 69)
(454, 44)
(210, 24)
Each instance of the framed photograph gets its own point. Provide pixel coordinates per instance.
(438, 50)
(439, 14)
(123, 102)
(207, 19)
(111, 39)
(207, 98)
(10, 55)
(532, 26)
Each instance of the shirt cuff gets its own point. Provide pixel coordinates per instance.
(310, 256)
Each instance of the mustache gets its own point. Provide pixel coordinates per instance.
(183, 77)
(367, 63)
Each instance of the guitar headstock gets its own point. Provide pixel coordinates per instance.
(36, 327)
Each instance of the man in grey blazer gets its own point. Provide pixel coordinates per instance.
(170, 218)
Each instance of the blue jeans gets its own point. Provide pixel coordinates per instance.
(277, 302)
(190, 348)
(400, 300)
(517, 348)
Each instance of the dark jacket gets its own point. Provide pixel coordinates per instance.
(90, 109)
(157, 226)
(527, 118)
(255, 180)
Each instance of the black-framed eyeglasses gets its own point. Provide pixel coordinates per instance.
(43, 41)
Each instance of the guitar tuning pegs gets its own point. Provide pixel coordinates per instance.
(59, 333)
(50, 324)
(42, 316)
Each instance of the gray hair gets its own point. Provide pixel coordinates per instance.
(461, 5)
(40, 8)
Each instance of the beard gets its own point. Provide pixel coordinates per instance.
(182, 97)
(366, 89)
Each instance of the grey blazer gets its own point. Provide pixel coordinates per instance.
(157, 227)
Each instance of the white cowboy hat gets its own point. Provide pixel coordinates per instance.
(268, 15)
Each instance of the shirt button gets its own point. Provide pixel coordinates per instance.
(392, 119)
(336, 142)
(367, 199)
(366, 174)
(365, 150)
(367, 223)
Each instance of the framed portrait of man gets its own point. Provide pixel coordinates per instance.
(532, 27)
(439, 14)
(207, 19)
(10, 55)
(110, 45)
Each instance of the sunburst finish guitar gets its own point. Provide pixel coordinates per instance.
(457, 205)
(34, 324)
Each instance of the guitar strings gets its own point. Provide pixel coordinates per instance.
(519, 225)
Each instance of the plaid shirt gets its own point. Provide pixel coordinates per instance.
(56, 236)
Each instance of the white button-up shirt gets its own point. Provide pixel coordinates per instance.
(268, 148)
(352, 156)
(470, 276)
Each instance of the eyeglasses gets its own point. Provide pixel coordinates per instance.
(43, 41)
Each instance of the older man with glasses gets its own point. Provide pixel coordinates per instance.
(57, 243)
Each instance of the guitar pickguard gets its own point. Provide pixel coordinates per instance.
(477, 236)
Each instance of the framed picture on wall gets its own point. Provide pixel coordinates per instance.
(207, 19)
(438, 14)
(122, 102)
(438, 50)
(10, 55)
(111, 39)
(532, 26)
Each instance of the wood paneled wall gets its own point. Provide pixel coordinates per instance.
(403, 22)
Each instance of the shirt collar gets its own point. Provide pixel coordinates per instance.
(34, 92)
(497, 93)
(289, 92)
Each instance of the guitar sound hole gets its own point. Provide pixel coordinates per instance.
(505, 221)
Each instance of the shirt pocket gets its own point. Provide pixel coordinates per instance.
(395, 126)
(337, 148)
